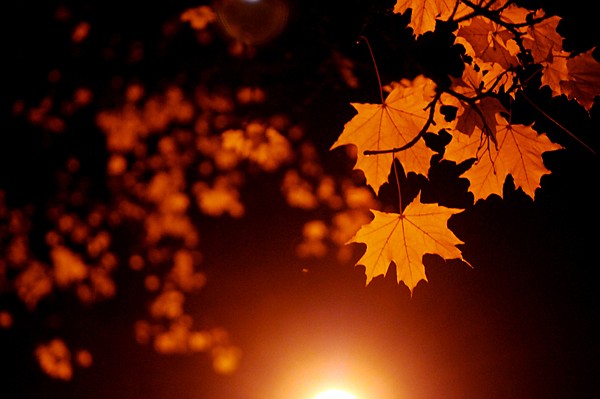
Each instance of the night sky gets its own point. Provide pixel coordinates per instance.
(522, 323)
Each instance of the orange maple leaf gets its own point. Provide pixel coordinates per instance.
(511, 13)
(471, 83)
(543, 40)
(486, 41)
(404, 239)
(480, 119)
(425, 13)
(576, 77)
(480, 116)
(584, 83)
(518, 152)
(555, 72)
(391, 125)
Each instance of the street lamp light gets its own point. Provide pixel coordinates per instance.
(335, 394)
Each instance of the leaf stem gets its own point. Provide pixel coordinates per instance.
(375, 65)
(400, 210)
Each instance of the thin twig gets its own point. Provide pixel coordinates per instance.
(558, 124)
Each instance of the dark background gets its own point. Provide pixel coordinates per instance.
(523, 323)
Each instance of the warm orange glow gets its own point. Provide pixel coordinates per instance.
(335, 394)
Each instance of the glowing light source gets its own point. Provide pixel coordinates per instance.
(335, 394)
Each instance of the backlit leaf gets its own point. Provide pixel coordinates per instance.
(489, 42)
(404, 239)
(425, 13)
(583, 84)
(518, 152)
(390, 125)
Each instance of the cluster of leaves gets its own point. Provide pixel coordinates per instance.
(505, 47)
(182, 155)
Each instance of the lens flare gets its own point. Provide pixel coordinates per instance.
(252, 22)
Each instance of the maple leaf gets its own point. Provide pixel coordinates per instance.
(543, 40)
(511, 13)
(391, 125)
(425, 13)
(553, 73)
(493, 77)
(486, 41)
(583, 84)
(404, 239)
(576, 77)
(480, 119)
(518, 152)
(481, 114)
